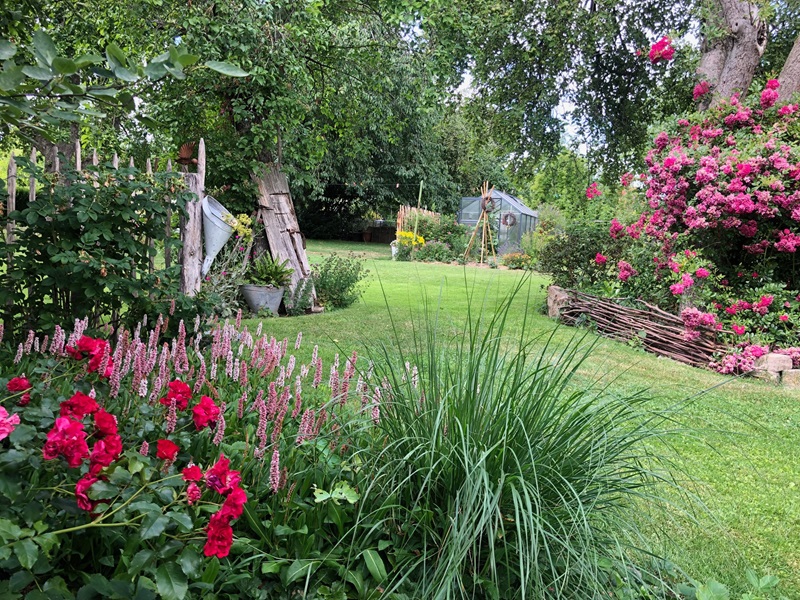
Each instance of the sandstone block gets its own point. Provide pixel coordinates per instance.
(774, 363)
(557, 298)
(791, 378)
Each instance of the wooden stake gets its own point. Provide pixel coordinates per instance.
(32, 180)
(77, 155)
(11, 203)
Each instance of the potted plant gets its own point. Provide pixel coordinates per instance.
(268, 279)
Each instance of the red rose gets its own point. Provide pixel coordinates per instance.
(166, 450)
(234, 503)
(180, 392)
(105, 422)
(67, 438)
(18, 384)
(205, 413)
(220, 536)
(193, 493)
(24, 399)
(220, 479)
(104, 452)
(78, 406)
(192, 473)
(95, 349)
(83, 485)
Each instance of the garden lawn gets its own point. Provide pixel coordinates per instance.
(737, 439)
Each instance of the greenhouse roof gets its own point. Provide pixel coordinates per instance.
(499, 196)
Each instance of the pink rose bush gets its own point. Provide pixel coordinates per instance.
(717, 241)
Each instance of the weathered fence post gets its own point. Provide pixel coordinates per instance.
(168, 231)
(11, 204)
(192, 252)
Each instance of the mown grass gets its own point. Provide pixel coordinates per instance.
(738, 439)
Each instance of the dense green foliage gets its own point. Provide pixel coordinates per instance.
(337, 278)
(82, 248)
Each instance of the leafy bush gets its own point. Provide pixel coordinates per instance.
(517, 260)
(336, 280)
(82, 247)
(434, 251)
(503, 475)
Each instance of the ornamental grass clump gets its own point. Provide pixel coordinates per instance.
(505, 477)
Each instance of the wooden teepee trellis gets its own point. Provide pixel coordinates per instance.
(484, 225)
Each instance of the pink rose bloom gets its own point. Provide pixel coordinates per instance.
(702, 273)
(700, 90)
(784, 317)
(7, 423)
(662, 50)
(600, 260)
(739, 329)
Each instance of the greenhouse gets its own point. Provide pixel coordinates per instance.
(509, 217)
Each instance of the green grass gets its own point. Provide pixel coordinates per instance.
(738, 439)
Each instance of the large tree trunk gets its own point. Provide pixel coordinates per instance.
(790, 74)
(728, 63)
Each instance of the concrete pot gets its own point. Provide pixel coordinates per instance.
(259, 297)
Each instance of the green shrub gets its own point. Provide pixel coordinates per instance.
(336, 280)
(82, 250)
(434, 251)
(502, 477)
(298, 300)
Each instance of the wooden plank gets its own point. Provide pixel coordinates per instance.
(77, 155)
(276, 212)
(192, 251)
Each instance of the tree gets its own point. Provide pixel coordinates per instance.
(536, 65)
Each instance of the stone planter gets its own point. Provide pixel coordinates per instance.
(259, 297)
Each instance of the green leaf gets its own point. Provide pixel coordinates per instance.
(140, 560)
(26, 552)
(19, 581)
(9, 531)
(211, 572)
(85, 60)
(183, 520)
(10, 80)
(7, 49)
(272, 567)
(125, 74)
(64, 66)
(299, 569)
(713, 590)
(39, 73)
(171, 582)
(186, 60)
(153, 525)
(44, 47)
(102, 490)
(226, 68)
(116, 57)
(768, 582)
(375, 565)
(191, 562)
(155, 70)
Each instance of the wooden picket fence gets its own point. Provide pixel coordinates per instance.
(191, 257)
(407, 215)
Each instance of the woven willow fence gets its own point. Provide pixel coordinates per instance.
(656, 330)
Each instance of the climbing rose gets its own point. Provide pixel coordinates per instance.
(702, 273)
(739, 329)
(18, 384)
(7, 423)
(205, 413)
(180, 392)
(770, 95)
(83, 485)
(662, 50)
(592, 191)
(79, 406)
(192, 473)
(220, 536)
(783, 318)
(700, 90)
(626, 271)
(221, 479)
(615, 228)
(166, 450)
(105, 423)
(193, 493)
(600, 260)
(234, 503)
(67, 437)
